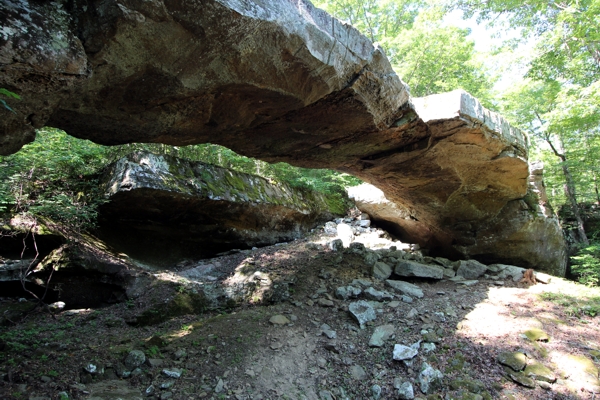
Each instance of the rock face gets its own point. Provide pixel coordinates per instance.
(280, 81)
(163, 209)
(525, 231)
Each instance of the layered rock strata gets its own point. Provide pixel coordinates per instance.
(163, 209)
(277, 80)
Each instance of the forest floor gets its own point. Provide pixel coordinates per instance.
(244, 353)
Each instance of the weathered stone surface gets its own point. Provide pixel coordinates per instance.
(163, 209)
(471, 269)
(362, 312)
(525, 232)
(539, 372)
(415, 269)
(134, 359)
(304, 88)
(381, 270)
(378, 295)
(402, 352)
(429, 379)
(381, 334)
(406, 288)
(515, 360)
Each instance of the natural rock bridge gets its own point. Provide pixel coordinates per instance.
(281, 81)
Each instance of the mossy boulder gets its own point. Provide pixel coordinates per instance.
(164, 209)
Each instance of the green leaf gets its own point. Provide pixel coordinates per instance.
(8, 93)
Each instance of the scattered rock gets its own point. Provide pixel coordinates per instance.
(536, 335)
(405, 390)
(544, 385)
(330, 228)
(134, 359)
(539, 372)
(358, 373)
(522, 379)
(336, 245)
(219, 387)
(413, 269)
(471, 269)
(327, 331)
(381, 334)
(172, 373)
(347, 292)
(325, 303)
(509, 271)
(406, 288)
(429, 379)
(375, 391)
(402, 352)
(362, 311)
(381, 270)
(543, 278)
(373, 294)
(515, 360)
(428, 347)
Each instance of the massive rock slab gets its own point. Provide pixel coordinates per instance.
(277, 80)
(525, 231)
(163, 209)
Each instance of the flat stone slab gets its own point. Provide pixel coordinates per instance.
(515, 360)
(405, 288)
(414, 269)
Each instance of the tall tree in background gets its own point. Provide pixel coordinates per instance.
(430, 56)
(559, 101)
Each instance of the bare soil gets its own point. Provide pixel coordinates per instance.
(237, 353)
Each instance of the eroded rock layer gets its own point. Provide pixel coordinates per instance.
(163, 209)
(278, 80)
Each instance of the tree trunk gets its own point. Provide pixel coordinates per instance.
(569, 187)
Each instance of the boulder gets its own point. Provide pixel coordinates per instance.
(471, 269)
(305, 88)
(163, 209)
(414, 269)
(405, 288)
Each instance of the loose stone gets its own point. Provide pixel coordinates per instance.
(402, 352)
(515, 360)
(380, 335)
(362, 311)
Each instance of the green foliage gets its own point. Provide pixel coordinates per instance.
(9, 94)
(328, 182)
(559, 99)
(426, 53)
(49, 177)
(574, 305)
(55, 177)
(586, 264)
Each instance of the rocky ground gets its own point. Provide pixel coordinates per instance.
(314, 320)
